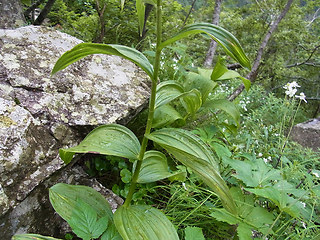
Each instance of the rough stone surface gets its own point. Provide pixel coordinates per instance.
(11, 15)
(307, 134)
(40, 114)
(22, 218)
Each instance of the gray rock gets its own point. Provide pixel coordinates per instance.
(307, 134)
(35, 213)
(40, 113)
(11, 15)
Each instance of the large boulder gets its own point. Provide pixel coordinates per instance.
(11, 15)
(307, 134)
(40, 113)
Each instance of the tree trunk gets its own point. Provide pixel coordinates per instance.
(256, 64)
(11, 15)
(44, 12)
(31, 9)
(213, 44)
(102, 18)
(189, 13)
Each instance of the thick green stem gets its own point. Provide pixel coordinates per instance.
(152, 101)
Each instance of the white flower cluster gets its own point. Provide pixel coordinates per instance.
(291, 89)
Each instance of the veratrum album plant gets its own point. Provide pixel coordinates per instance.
(86, 211)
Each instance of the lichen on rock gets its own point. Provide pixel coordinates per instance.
(40, 113)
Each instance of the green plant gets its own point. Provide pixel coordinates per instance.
(84, 209)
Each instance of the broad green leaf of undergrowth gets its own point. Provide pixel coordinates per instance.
(112, 139)
(193, 233)
(32, 237)
(154, 168)
(221, 72)
(84, 221)
(250, 217)
(226, 106)
(191, 151)
(167, 91)
(84, 49)
(287, 204)
(111, 234)
(229, 43)
(140, 12)
(219, 69)
(203, 84)
(64, 199)
(142, 222)
(191, 101)
(255, 172)
(166, 115)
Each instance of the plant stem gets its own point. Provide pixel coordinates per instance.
(270, 228)
(152, 101)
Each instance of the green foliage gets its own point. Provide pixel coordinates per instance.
(84, 221)
(275, 188)
(32, 237)
(193, 153)
(192, 233)
(250, 217)
(143, 222)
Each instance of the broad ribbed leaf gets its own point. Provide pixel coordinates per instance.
(246, 82)
(112, 139)
(122, 4)
(197, 81)
(142, 222)
(229, 43)
(84, 49)
(154, 168)
(219, 69)
(167, 91)
(140, 12)
(191, 101)
(64, 198)
(32, 237)
(191, 151)
(221, 72)
(165, 115)
(226, 106)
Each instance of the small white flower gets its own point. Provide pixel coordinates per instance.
(265, 160)
(304, 225)
(316, 174)
(303, 204)
(302, 97)
(260, 155)
(291, 92)
(184, 186)
(294, 84)
(291, 88)
(291, 85)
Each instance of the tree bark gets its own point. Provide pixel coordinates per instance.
(44, 12)
(256, 64)
(11, 15)
(101, 12)
(189, 13)
(213, 44)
